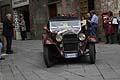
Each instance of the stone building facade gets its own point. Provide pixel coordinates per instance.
(41, 10)
(107, 5)
(5, 8)
(102, 6)
(38, 17)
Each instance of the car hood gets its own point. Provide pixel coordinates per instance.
(59, 27)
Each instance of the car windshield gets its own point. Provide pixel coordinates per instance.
(72, 25)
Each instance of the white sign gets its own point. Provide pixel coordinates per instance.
(19, 3)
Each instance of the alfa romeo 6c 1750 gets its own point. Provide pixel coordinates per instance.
(63, 37)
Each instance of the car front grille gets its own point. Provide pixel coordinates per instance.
(71, 47)
(70, 42)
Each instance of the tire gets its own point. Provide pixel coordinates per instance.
(92, 53)
(48, 58)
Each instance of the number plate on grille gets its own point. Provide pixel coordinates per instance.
(71, 55)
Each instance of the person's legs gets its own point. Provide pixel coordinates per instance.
(4, 43)
(25, 34)
(9, 44)
(1, 58)
(118, 35)
(22, 35)
(94, 29)
(111, 38)
(107, 38)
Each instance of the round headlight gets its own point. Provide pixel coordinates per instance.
(59, 38)
(82, 37)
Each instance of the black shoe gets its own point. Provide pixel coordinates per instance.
(111, 43)
(2, 58)
(9, 52)
(107, 43)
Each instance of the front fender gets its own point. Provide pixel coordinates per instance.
(46, 40)
(92, 39)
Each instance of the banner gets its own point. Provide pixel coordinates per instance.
(19, 3)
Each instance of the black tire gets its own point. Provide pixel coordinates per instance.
(48, 58)
(92, 53)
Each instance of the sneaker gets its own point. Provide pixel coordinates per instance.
(2, 55)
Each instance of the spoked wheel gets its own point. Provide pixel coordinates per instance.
(92, 53)
(48, 56)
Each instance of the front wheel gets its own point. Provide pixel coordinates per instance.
(92, 53)
(48, 58)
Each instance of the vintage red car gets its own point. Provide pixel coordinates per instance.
(63, 37)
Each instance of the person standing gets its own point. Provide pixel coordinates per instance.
(88, 23)
(115, 26)
(1, 54)
(109, 29)
(8, 32)
(22, 27)
(106, 27)
(84, 24)
(1, 58)
(94, 23)
(118, 32)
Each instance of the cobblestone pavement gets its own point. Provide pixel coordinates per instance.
(27, 64)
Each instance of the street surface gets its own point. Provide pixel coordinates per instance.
(27, 64)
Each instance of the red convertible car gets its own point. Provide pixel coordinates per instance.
(63, 37)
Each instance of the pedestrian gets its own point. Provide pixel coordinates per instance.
(94, 23)
(118, 32)
(115, 26)
(1, 55)
(88, 23)
(22, 27)
(109, 29)
(8, 32)
(84, 24)
(1, 46)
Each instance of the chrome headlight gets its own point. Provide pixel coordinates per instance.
(82, 37)
(59, 38)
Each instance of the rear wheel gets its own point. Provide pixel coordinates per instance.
(92, 53)
(48, 56)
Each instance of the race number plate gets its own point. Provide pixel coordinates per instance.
(71, 55)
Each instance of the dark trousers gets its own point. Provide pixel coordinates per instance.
(23, 35)
(9, 43)
(109, 38)
(118, 37)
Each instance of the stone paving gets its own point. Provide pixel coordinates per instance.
(27, 64)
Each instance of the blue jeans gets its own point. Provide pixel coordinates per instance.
(93, 30)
